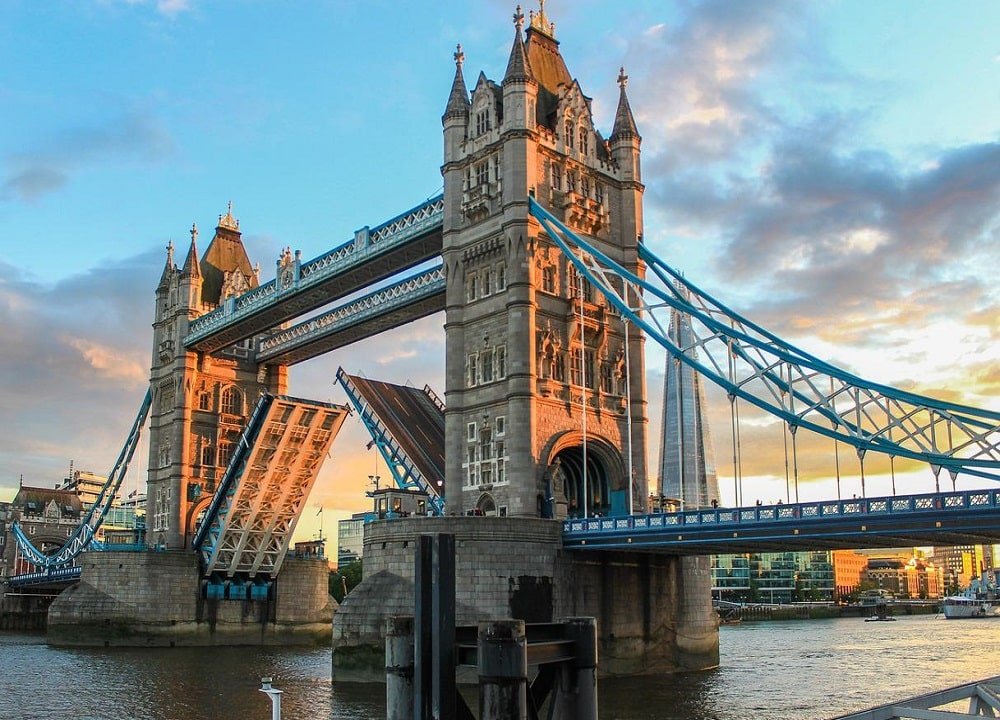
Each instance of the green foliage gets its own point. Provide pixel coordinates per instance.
(345, 579)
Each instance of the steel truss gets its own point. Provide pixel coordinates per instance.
(83, 536)
(251, 519)
(402, 468)
(983, 701)
(757, 366)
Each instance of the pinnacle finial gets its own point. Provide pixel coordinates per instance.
(194, 232)
(622, 78)
(540, 22)
(459, 55)
(518, 18)
(228, 221)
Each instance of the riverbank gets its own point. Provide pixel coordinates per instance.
(753, 613)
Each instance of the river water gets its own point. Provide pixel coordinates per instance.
(789, 670)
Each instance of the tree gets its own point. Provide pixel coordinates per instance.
(345, 579)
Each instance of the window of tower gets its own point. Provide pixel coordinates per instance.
(568, 134)
(471, 287)
(501, 277)
(232, 401)
(500, 359)
(482, 122)
(205, 402)
(584, 140)
(472, 370)
(549, 279)
(556, 177)
(575, 368)
(225, 453)
(571, 182)
(607, 378)
(585, 186)
(599, 192)
(486, 369)
(207, 454)
(482, 173)
(590, 368)
(487, 281)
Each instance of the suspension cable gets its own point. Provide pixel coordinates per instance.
(892, 470)
(795, 461)
(628, 418)
(583, 389)
(836, 444)
(861, 461)
(739, 450)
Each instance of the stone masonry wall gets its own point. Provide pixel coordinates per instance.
(654, 612)
(155, 599)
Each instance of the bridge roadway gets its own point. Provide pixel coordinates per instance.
(952, 518)
(372, 256)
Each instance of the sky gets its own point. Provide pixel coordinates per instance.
(829, 169)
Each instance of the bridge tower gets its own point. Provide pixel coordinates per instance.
(201, 401)
(529, 344)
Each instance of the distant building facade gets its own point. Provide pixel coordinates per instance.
(906, 577)
(781, 577)
(350, 539)
(849, 570)
(962, 563)
(47, 516)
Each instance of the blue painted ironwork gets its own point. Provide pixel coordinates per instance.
(380, 303)
(757, 366)
(48, 575)
(211, 526)
(367, 245)
(83, 536)
(404, 471)
(832, 523)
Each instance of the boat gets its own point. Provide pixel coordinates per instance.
(877, 618)
(959, 606)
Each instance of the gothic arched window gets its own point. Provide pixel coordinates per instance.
(232, 401)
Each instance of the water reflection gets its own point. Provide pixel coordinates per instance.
(771, 671)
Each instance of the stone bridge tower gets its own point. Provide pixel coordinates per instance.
(201, 401)
(529, 344)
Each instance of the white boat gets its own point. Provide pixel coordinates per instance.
(956, 607)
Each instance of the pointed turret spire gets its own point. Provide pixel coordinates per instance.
(458, 101)
(192, 268)
(624, 121)
(518, 67)
(227, 221)
(168, 267)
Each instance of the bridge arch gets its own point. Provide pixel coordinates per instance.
(486, 505)
(605, 473)
(195, 516)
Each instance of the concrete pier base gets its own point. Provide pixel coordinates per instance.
(654, 612)
(24, 612)
(154, 599)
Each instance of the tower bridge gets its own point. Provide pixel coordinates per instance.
(549, 296)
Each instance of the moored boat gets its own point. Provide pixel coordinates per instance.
(956, 607)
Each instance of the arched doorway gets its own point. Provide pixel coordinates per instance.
(486, 505)
(595, 484)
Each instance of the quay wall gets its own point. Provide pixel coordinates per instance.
(24, 612)
(654, 612)
(155, 599)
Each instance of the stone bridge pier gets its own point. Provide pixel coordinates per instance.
(654, 612)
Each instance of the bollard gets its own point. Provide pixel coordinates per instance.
(503, 670)
(399, 668)
(580, 699)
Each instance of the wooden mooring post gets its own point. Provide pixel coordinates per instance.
(522, 668)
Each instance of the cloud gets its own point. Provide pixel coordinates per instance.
(129, 138)
(85, 340)
(168, 8)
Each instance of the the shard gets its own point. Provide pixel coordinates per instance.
(687, 461)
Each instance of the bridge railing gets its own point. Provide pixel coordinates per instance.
(366, 245)
(45, 576)
(798, 512)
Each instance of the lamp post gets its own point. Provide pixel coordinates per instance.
(274, 694)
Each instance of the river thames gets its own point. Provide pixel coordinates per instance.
(770, 671)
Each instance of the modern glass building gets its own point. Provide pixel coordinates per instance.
(781, 577)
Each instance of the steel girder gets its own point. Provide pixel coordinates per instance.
(253, 514)
(404, 471)
(84, 534)
(983, 698)
(374, 255)
(410, 299)
(805, 392)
